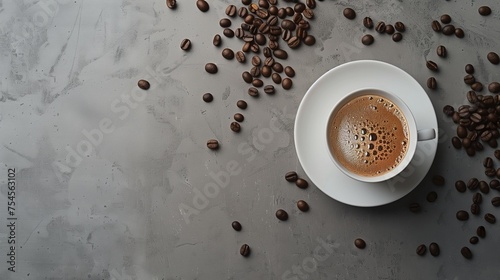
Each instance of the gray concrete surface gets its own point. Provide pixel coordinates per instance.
(128, 204)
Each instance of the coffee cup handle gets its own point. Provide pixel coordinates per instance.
(426, 134)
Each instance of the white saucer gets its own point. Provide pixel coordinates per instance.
(312, 117)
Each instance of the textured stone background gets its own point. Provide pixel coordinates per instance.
(119, 211)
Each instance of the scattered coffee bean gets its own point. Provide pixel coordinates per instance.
(239, 117)
(255, 72)
(256, 60)
(210, 67)
(455, 141)
(213, 144)
(459, 33)
(303, 206)
(434, 249)
(421, 249)
(400, 26)
(301, 183)
(494, 184)
(229, 33)
(245, 250)
(474, 240)
(473, 183)
(368, 22)
(246, 2)
(247, 77)
(311, 4)
(477, 86)
(431, 65)
(488, 162)
(225, 22)
(217, 40)
(462, 215)
(477, 198)
(266, 71)
(415, 207)
(469, 79)
(367, 40)
(495, 201)
(291, 176)
(269, 62)
(469, 69)
(236, 225)
(436, 26)
(286, 83)
(490, 218)
(380, 28)
(235, 127)
(359, 243)
(240, 57)
(277, 67)
(484, 10)
(253, 92)
(171, 4)
(493, 58)
(475, 209)
(309, 40)
(231, 10)
(481, 231)
(431, 196)
(432, 83)
(269, 89)
(494, 87)
(202, 5)
(281, 54)
(466, 252)
(448, 110)
(448, 30)
(438, 180)
(461, 131)
(186, 44)
(460, 186)
(441, 51)
(445, 19)
(299, 7)
(208, 97)
(242, 104)
(282, 215)
(497, 154)
(228, 53)
(143, 84)
(349, 13)
(484, 187)
(389, 29)
(289, 71)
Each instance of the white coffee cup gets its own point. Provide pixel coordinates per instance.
(414, 135)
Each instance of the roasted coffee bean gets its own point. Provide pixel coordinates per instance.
(473, 240)
(246, 2)
(400, 26)
(229, 33)
(448, 110)
(441, 51)
(202, 5)
(286, 83)
(253, 92)
(414, 207)
(301, 183)
(368, 22)
(263, 14)
(266, 71)
(257, 83)
(282, 215)
(277, 67)
(494, 184)
(249, 19)
(299, 7)
(466, 252)
(494, 87)
(421, 250)
(256, 61)
(228, 53)
(240, 57)
(434, 249)
(431, 196)
(171, 4)
(263, 4)
(478, 146)
(438, 180)
(269, 89)
(248, 38)
(281, 54)
(242, 104)
(289, 72)
(432, 83)
(367, 40)
(448, 30)
(380, 28)
(288, 24)
(309, 40)
(459, 33)
(255, 72)
(186, 44)
(272, 21)
(281, 13)
(389, 29)
(239, 117)
(231, 10)
(497, 154)
(493, 58)
(477, 198)
(349, 13)
(273, 10)
(484, 10)
(469, 79)
(488, 162)
(297, 18)
(236, 226)
(455, 117)
(477, 118)
(436, 26)
(490, 218)
(291, 176)
(242, 12)
(304, 24)
(217, 40)
(469, 69)
(308, 13)
(461, 131)
(359, 243)
(245, 250)
(143, 84)
(208, 97)
(462, 215)
(396, 37)
(303, 206)
(247, 77)
(311, 4)
(490, 172)
(286, 35)
(495, 201)
(276, 78)
(460, 186)
(235, 127)
(473, 184)
(455, 141)
(477, 86)
(431, 65)
(466, 143)
(267, 52)
(239, 33)
(294, 42)
(445, 19)
(475, 209)
(213, 144)
(253, 7)
(275, 30)
(484, 187)
(225, 22)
